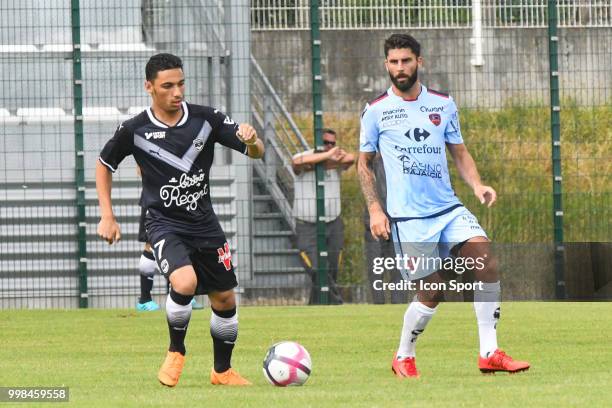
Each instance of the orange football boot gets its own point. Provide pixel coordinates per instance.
(170, 371)
(228, 377)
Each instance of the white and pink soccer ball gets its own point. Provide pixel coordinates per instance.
(287, 363)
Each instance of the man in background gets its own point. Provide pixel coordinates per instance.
(335, 160)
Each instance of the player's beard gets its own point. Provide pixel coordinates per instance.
(405, 86)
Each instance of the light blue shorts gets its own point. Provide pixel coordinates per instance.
(431, 240)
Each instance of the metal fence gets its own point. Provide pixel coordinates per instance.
(53, 123)
(73, 71)
(420, 14)
(502, 89)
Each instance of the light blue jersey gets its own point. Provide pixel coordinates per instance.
(411, 136)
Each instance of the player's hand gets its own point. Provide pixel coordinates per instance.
(379, 225)
(247, 134)
(108, 230)
(486, 195)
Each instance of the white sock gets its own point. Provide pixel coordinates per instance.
(486, 306)
(178, 315)
(415, 319)
(224, 328)
(147, 266)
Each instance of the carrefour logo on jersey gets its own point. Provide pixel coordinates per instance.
(424, 149)
(418, 134)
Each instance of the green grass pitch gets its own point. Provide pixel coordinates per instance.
(109, 358)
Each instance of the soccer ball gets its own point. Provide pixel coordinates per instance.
(287, 363)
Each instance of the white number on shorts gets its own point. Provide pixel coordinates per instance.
(160, 244)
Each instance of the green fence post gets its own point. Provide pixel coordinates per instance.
(317, 113)
(555, 132)
(79, 176)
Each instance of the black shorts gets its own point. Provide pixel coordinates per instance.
(142, 231)
(213, 266)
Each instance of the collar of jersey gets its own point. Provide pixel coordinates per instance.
(161, 124)
(391, 93)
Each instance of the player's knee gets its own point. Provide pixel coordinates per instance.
(185, 288)
(492, 264)
(183, 280)
(430, 298)
(487, 269)
(147, 265)
(222, 300)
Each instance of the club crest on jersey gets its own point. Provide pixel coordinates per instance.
(164, 265)
(198, 144)
(225, 256)
(435, 118)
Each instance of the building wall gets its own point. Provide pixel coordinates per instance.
(515, 66)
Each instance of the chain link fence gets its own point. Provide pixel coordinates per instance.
(253, 61)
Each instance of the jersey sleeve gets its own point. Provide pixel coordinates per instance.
(452, 133)
(117, 148)
(225, 132)
(368, 135)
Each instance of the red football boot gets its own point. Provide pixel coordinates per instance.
(406, 367)
(500, 361)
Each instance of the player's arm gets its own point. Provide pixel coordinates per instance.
(108, 228)
(247, 134)
(368, 146)
(466, 166)
(242, 138)
(113, 152)
(379, 223)
(307, 161)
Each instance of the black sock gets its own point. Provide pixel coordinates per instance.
(146, 285)
(178, 312)
(224, 332)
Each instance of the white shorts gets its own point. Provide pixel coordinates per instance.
(431, 240)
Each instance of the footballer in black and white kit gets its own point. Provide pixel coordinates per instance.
(173, 144)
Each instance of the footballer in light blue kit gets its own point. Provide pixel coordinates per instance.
(412, 127)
